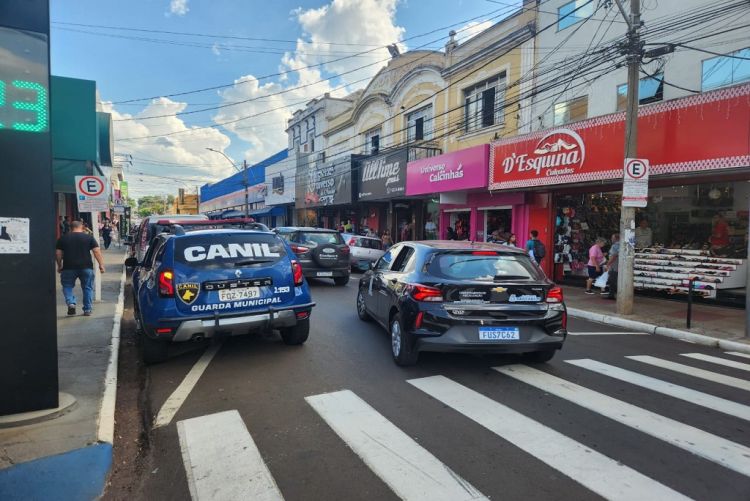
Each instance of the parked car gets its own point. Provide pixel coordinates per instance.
(364, 250)
(450, 296)
(149, 228)
(199, 284)
(321, 252)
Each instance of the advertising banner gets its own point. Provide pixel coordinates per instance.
(697, 133)
(460, 170)
(324, 184)
(384, 176)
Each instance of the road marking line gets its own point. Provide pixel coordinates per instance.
(608, 333)
(405, 466)
(734, 382)
(106, 426)
(222, 461)
(180, 394)
(693, 396)
(718, 361)
(595, 471)
(738, 354)
(719, 450)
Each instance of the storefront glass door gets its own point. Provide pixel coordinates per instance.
(497, 224)
(459, 228)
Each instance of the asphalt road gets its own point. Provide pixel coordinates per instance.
(450, 428)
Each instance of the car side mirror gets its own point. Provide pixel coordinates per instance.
(131, 262)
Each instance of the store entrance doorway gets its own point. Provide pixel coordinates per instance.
(459, 227)
(497, 224)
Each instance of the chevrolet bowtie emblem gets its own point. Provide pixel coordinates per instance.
(499, 289)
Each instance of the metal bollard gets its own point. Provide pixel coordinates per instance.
(691, 284)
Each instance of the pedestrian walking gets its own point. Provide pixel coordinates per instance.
(535, 247)
(612, 266)
(596, 260)
(107, 235)
(387, 240)
(73, 257)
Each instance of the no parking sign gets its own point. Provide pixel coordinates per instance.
(91, 192)
(635, 183)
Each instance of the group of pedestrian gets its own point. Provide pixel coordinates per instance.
(599, 264)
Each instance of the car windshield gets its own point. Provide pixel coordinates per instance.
(484, 267)
(314, 238)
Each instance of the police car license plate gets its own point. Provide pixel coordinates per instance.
(241, 293)
(498, 334)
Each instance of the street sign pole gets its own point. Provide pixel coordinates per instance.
(627, 214)
(97, 273)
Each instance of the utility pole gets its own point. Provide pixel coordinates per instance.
(627, 214)
(246, 183)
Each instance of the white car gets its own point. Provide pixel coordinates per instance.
(364, 250)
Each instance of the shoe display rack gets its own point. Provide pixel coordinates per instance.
(670, 271)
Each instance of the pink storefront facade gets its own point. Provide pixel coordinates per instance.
(467, 209)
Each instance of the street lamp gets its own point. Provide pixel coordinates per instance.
(244, 178)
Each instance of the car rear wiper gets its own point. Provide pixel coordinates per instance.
(509, 277)
(253, 261)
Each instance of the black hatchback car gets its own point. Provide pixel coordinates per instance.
(321, 252)
(463, 297)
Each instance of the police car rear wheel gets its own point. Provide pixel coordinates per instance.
(154, 350)
(297, 334)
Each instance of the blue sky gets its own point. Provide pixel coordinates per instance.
(126, 68)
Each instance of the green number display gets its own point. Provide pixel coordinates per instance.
(39, 107)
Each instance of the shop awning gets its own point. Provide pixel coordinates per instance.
(268, 212)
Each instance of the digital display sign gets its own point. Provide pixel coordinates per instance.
(24, 73)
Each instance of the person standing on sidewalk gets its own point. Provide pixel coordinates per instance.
(613, 264)
(535, 247)
(596, 260)
(73, 256)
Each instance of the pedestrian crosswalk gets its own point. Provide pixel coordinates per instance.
(222, 461)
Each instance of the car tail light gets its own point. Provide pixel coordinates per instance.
(352, 242)
(565, 320)
(299, 249)
(555, 295)
(424, 293)
(484, 253)
(302, 315)
(418, 320)
(166, 283)
(164, 330)
(297, 273)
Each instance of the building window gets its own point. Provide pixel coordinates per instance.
(484, 103)
(372, 142)
(571, 111)
(419, 125)
(650, 90)
(567, 15)
(724, 70)
(295, 136)
(278, 185)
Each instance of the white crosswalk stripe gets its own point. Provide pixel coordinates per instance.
(738, 354)
(714, 448)
(689, 395)
(221, 460)
(405, 466)
(593, 470)
(714, 377)
(718, 361)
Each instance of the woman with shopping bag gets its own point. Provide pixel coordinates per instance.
(596, 260)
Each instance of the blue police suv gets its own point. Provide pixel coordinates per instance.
(193, 285)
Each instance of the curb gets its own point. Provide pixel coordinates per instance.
(692, 337)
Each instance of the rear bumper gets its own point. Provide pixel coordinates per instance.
(465, 339)
(187, 329)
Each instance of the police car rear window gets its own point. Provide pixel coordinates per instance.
(220, 251)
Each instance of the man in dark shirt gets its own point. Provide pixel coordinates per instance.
(73, 256)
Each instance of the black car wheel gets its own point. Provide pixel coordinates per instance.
(297, 334)
(538, 357)
(361, 309)
(341, 280)
(402, 344)
(154, 350)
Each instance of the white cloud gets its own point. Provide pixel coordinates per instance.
(178, 7)
(472, 29)
(184, 155)
(366, 23)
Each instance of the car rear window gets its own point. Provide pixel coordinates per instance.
(220, 251)
(483, 266)
(315, 238)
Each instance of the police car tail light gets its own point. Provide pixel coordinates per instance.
(297, 273)
(555, 295)
(424, 293)
(166, 283)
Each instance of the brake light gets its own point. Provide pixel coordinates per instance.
(555, 295)
(484, 253)
(351, 241)
(166, 284)
(418, 321)
(299, 249)
(424, 293)
(163, 330)
(297, 273)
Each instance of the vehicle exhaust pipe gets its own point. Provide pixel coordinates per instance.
(198, 338)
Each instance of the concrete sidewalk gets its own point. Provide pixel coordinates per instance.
(69, 457)
(718, 325)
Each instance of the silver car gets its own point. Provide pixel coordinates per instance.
(364, 250)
